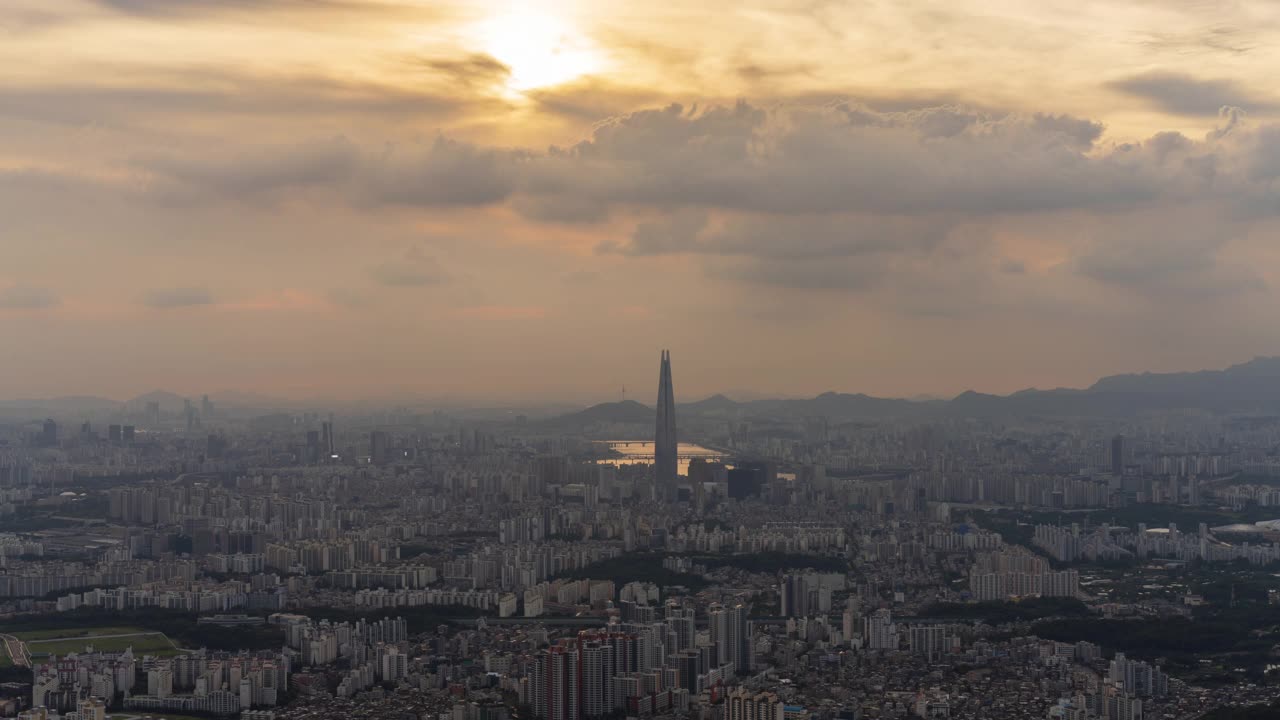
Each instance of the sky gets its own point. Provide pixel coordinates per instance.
(528, 201)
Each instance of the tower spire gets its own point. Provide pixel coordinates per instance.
(666, 472)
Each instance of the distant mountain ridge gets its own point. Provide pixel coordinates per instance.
(77, 407)
(1250, 387)
(1253, 386)
(69, 401)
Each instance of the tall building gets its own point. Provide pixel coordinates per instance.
(880, 632)
(1117, 455)
(746, 481)
(793, 592)
(379, 447)
(731, 636)
(326, 438)
(1138, 678)
(556, 683)
(49, 433)
(664, 441)
(598, 669)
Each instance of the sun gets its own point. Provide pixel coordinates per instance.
(539, 49)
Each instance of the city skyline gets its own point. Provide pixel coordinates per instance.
(328, 329)
(843, 194)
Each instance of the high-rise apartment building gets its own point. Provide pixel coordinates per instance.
(731, 636)
(557, 683)
(744, 704)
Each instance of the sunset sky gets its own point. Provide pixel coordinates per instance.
(526, 201)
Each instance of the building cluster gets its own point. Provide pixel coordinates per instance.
(1017, 572)
(495, 566)
(1071, 544)
(652, 663)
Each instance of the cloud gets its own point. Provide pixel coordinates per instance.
(802, 274)
(503, 312)
(288, 299)
(348, 298)
(26, 20)
(838, 158)
(1188, 95)
(251, 173)
(591, 98)
(25, 297)
(678, 233)
(415, 269)
(177, 8)
(837, 196)
(826, 236)
(444, 172)
(136, 98)
(478, 70)
(797, 237)
(842, 251)
(180, 297)
(1012, 266)
(580, 278)
(781, 161)
(1178, 254)
(1220, 39)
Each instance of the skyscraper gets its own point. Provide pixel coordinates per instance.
(557, 683)
(793, 593)
(731, 636)
(664, 440)
(1117, 455)
(379, 447)
(49, 434)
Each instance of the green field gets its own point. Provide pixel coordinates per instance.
(69, 633)
(5, 660)
(146, 643)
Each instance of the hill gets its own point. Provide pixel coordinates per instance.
(625, 412)
(713, 404)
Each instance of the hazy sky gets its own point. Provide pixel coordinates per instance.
(529, 200)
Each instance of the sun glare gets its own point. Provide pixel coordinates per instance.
(539, 49)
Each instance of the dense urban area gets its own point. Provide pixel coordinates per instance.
(1108, 553)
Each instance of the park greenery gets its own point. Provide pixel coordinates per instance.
(1000, 613)
(635, 567)
(180, 627)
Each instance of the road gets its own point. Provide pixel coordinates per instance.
(17, 651)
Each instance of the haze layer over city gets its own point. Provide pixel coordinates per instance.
(566, 360)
